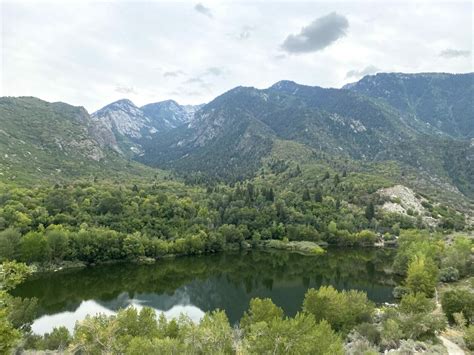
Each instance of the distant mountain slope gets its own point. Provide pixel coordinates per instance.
(169, 114)
(132, 125)
(229, 136)
(336, 121)
(124, 118)
(444, 101)
(42, 140)
(128, 124)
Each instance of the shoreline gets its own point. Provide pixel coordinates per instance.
(306, 248)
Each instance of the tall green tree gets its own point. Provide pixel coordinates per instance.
(370, 211)
(422, 276)
(10, 244)
(11, 274)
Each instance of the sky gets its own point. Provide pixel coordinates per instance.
(91, 53)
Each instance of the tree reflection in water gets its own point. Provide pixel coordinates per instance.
(202, 283)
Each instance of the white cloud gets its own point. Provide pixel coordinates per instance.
(93, 53)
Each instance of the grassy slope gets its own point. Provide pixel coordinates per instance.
(50, 142)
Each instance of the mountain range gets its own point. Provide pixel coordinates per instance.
(230, 136)
(134, 125)
(423, 123)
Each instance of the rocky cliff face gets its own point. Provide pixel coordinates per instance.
(124, 118)
(169, 114)
(126, 127)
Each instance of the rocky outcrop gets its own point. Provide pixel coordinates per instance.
(125, 127)
(403, 200)
(124, 118)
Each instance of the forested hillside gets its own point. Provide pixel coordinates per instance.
(442, 101)
(230, 136)
(99, 221)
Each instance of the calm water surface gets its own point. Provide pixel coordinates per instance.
(198, 284)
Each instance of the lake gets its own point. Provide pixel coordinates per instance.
(197, 284)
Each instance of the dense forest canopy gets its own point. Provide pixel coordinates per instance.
(102, 221)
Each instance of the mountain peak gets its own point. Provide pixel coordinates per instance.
(285, 85)
(124, 117)
(168, 102)
(119, 105)
(160, 104)
(122, 102)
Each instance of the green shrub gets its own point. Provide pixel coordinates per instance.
(369, 331)
(449, 274)
(399, 291)
(343, 310)
(469, 337)
(58, 339)
(458, 300)
(416, 303)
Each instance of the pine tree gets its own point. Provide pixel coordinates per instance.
(271, 195)
(306, 195)
(370, 211)
(250, 192)
(298, 170)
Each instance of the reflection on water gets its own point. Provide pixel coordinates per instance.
(46, 323)
(195, 285)
(68, 319)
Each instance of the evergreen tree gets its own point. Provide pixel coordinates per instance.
(306, 195)
(271, 195)
(318, 196)
(422, 276)
(370, 211)
(298, 170)
(250, 192)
